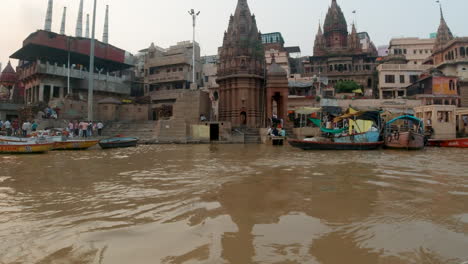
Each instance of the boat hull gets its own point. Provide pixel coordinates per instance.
(311, 145)
(449, 143)
(25, 148)
(405, 140)
(118, 143)
(368, 137)
(74, 145)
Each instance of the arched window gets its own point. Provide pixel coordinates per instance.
(331, 67)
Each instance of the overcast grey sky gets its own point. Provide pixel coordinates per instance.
(134, 24)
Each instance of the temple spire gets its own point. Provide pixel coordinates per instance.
(48, 20)
(444, 34)
(79, 22)
(64, 19)
(105, 34)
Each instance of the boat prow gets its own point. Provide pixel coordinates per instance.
(25, 147)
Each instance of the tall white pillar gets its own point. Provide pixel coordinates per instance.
(41, 92)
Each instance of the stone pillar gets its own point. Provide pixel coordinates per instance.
(41, 92)
(51, 92)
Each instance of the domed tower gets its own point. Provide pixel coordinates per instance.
(8, 80)
(241, 70)
(444, 35)
(319, 45)
(335, 28)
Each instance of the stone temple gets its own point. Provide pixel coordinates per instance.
(241, 73)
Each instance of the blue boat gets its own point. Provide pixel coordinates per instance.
(368, 137)
(118, 142)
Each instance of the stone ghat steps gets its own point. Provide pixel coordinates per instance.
(142, 130)
(252, 136)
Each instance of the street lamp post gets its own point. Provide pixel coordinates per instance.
(91, 69)
(194, 16)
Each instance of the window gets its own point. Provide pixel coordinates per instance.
(414, 78)
(462, 52)
(181, 69)
(443, 116)
(415, 51)
(426, 51)
(420, 51)
(404, 51)
(206, 79)
(168, 70)
(389, 78)
(402, 79)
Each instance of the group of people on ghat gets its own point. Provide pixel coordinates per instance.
(13, 128)
(85, 128)
(276, 129)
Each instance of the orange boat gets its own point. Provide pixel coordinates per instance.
(24, 148)
(74, 144)
(449, 143)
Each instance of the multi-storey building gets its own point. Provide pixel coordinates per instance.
(415, 50)
(43, 68)
(274, 48)
(340, 55)
(171, 69)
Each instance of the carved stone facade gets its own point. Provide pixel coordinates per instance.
(340, 56)
(241, 71)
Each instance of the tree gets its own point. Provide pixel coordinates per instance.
(347, 86)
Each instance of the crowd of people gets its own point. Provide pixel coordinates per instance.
(13, 128)
(77, 129)
(85, 128)
(276, 129)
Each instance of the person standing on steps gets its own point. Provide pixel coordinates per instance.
(100, 126)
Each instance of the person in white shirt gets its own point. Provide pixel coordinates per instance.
(7, 126)
(26, 127)
(100, 126)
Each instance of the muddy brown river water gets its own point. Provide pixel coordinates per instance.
(234, 204)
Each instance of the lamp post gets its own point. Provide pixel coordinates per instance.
(91, 69)
(194, 16)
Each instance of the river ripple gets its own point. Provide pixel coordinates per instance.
(234, 204)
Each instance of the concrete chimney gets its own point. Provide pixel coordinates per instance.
(64, 19)
(79, 22)
(48, 20)
(105, 35)
(87, 26)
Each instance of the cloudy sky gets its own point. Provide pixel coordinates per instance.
(134, 24)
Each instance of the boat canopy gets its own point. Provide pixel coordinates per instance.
(318, 123)
(307, 110)
(406, 117)
(367, 115)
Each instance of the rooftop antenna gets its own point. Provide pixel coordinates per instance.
(64, 19)
(87, 26)
(79, 22)
(48, 20)
(105, 35)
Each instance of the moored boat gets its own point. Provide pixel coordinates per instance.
(448, 143)
(14, 139)
(70, 144)
(329, 145)
(118, 142)
(24, 147)
(409, 135)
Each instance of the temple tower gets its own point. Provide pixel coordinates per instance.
(241, 71)
(444, 34)
(335, 28)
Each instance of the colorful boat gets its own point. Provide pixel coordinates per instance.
(118, 142)
(448, 143)
(329, 145)
(14, 139)
(24, 147)
(409, 135)
(74, 144)
(368, 137)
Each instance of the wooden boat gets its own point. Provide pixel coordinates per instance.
(118, 142)
(409, 136)
(14, 139)
(448, 143)
(24, 147)
(329, 145)
(61, 144)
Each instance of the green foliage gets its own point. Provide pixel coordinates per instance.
(318, 98)
(347, 86)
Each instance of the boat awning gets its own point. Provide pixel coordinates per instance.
(307, 110)
(406, 117)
